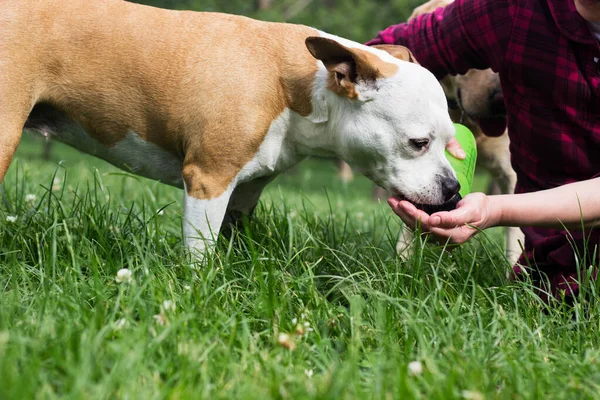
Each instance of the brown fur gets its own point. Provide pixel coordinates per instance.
(348, 65)
(400, 52)
(187, 82)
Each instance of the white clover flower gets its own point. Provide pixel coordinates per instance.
(124, 275)
(120, 323)
(160, 319)
(11, 218)
(415, 368)
(30, 198)
(308, 373)
(295, 321)
(187, 287)
(471, 395)
(168, 306)
(287, 341)
(56, 184)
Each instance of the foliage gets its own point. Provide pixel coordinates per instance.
(308, 301)
(358, 20)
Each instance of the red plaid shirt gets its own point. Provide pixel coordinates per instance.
(547, 59)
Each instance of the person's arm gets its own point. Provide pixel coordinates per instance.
(466, 34)
(573, 206)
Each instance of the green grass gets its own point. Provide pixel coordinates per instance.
(317, 258)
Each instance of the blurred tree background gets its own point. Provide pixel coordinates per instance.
(359, 20)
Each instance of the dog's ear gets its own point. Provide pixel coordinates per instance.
(400, 52)
(348, 66)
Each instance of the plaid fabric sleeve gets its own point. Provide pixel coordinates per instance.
(466, 34)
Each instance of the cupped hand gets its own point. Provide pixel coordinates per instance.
(472, 214)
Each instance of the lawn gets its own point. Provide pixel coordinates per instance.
(308, 301)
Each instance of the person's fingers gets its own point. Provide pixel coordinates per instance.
(406, 218)
(453, 147)
(457, 235)
(418, 215)
(408, 207)
(467, 211)
(451, 219)
(393, 202)
(409, 214)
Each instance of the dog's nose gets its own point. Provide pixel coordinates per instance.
(496, 102)
(450, 187)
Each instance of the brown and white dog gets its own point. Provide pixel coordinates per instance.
(217, 104)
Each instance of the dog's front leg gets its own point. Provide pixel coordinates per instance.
(203, 213)
(202, 221)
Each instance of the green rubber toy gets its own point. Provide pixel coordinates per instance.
(464, 168)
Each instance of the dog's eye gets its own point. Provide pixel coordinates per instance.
(419, 143)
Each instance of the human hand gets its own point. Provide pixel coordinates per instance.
(472, 214)
(453, 147)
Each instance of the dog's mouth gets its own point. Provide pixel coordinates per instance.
(433, 208)
(447, 206)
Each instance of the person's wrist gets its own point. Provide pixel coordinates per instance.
(495, 208)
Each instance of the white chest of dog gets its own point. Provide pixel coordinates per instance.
(217, 104)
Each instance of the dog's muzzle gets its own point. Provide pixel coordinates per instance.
(447, 206)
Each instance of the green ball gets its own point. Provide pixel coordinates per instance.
(465, 168)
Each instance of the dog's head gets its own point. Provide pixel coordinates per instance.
(478, 95)
(390, 118)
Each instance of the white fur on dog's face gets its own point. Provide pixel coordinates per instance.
(380, 134)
